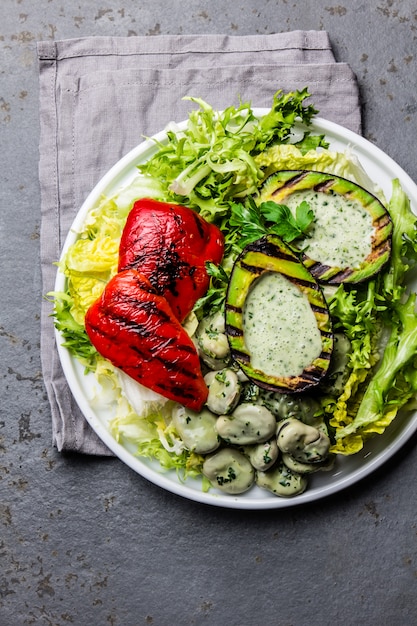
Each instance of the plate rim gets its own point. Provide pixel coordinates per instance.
(137, 464)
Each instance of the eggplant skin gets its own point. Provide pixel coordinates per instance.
(270, 254)
(278, 186)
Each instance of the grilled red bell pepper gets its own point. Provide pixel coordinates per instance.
(170, 245)
(134, 328)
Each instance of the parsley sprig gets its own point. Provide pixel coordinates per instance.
(249, 222)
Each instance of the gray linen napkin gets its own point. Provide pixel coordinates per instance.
(99, 96)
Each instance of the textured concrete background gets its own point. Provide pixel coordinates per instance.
(87, 541)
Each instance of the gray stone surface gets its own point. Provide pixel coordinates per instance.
(87, 541)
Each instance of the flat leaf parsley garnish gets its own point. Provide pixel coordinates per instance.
(253, 222)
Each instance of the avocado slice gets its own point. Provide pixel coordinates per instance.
(277, 320)
(351, 239)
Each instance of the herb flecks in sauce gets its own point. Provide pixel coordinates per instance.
(341, 234)
(280, 329)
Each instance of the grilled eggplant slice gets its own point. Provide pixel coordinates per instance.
(277, 321)
(351, 238)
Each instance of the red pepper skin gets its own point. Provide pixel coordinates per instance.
(170, 244)
(134, 327)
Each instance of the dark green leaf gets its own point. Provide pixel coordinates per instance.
(304, 216)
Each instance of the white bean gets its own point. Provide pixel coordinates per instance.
(229, 470)
(197, 430)
(248, 424)
(282, 481)
(224, 390)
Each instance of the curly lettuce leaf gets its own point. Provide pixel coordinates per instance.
(151, 435)
(76, 339)
(394, 382)
(92, 260)
(212, 161)
(404, 243)
(292, 157)
(277, 125)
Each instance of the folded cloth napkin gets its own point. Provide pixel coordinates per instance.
(99, 96)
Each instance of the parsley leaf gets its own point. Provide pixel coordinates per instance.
(246, 222)
(250, 222)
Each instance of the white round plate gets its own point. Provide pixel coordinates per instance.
(348, 470)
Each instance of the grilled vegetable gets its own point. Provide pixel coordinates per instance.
(351, 238)
(277, 321)
(134, 327)
(170, 244)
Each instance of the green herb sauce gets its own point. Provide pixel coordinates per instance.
(342, 232)
(279, 327)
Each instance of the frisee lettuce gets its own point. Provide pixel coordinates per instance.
(213, 161)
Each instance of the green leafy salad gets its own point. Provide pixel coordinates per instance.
(216, 166)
